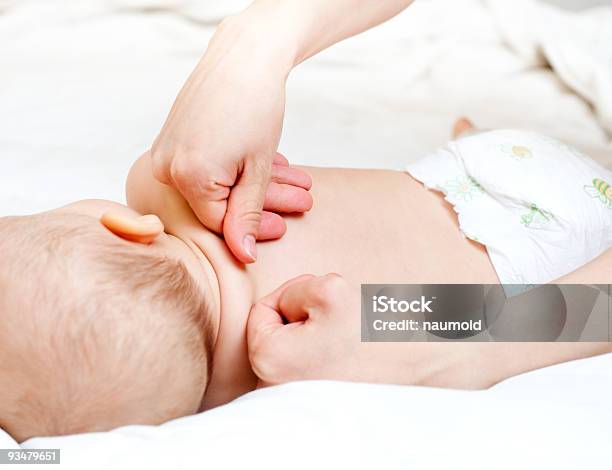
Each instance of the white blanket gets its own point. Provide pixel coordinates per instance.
(555, 418)
(85, 86)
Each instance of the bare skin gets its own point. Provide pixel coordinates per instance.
(368, 225)
(379, 227)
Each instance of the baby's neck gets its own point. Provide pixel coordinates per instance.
(232, 375)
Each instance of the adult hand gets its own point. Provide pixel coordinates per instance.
(219, 141)
(310, 329)
(218, 145)
(321, 339)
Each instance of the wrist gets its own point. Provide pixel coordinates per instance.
(267, 31)
(466, 366)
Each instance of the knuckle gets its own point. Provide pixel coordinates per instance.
(181, 171)
(192, 175)
(322, 296)
(261, 166)
(330, 290)
(326, 300)
(336, 282)
(159, 165)
(251, 216)
(160, 172)
(156, 150)
(334, 275)
(332, 283)
(211, 188)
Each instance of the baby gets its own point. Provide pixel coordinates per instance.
(112, 317)
(97, 331)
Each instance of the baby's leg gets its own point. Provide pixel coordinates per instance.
(463, 127)
(598, 271)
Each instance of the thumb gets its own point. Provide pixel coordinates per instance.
(245, 205)
(266, 315)
(299, 302)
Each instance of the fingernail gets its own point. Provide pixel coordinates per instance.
(250, 246)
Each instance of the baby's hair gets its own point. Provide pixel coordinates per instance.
(95, 331)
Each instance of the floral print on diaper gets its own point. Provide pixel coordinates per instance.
(536, 218)
(517, 152)
(600, 189)
(463, 188)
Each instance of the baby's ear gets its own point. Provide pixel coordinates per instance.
(140, 229)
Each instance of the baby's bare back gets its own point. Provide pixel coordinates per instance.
(373, 226)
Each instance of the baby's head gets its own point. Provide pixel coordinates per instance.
(96, 331)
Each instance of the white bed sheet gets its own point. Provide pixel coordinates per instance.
(559, 417)
(85, 86)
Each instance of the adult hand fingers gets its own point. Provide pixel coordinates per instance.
(272, 226)
(287, 199)
(298, 302)
(290, 175)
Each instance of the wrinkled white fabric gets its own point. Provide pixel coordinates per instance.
(558, 417)
(86, 85)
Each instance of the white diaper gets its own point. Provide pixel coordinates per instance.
(540, 207)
